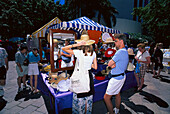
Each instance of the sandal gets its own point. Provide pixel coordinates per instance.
(36, 91)
(139, 89)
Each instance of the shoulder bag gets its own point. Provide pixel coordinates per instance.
(79, 81)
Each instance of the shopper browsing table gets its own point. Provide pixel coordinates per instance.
(33, 70)
(82, 102)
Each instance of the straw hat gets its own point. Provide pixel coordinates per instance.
(110, 52)
(106, 72)
(109, 40)
(55, 41)
(130, 51)
(64, 75)
(55, 78)
(130, 67)
(86, 39)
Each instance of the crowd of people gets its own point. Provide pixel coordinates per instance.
(146, 58)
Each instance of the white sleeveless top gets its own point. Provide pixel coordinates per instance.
(88, 60)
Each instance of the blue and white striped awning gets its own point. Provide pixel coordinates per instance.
(84, 23)
(80, 24)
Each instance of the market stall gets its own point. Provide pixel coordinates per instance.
(62, 100)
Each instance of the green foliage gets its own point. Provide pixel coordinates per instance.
(21, 17)
(136, 38)
(155, 17)
(90, 7)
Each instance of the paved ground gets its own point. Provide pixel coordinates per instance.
(155, 98)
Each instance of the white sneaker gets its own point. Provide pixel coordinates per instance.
(25, 87)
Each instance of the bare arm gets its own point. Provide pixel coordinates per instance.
(6, 62)
(68, 48)
(94, 65)
(19, 65)
(66, 55)
(112, 64)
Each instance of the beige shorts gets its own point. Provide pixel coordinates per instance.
(33, 69)
(114, 86)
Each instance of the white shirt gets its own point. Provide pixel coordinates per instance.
(143, 56)
(88, 60)
(56, 53)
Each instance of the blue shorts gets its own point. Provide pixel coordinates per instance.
(25, 71)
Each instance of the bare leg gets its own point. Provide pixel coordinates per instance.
(35, 82)
(24, 80)
(137, 79)
(31, 82)
(159, 70)
(19, 82)
(118, 100)
(141, 84)
(154, 72)
(107, 99)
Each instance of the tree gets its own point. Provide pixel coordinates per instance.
(155, 17)
(90, 8)
(21, 17)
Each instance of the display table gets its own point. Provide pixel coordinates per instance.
(62, 100)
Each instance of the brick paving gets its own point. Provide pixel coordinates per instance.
(154, 98)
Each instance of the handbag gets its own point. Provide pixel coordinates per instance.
(79, 81)
(26, 62)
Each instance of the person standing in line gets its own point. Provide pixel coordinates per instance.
(33, 70)
(3, 71)
(82, 102)
(151, 52)
(158, 55)
(143, 58)
(21, 69)
(118, 63)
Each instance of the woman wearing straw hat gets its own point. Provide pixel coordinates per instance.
(82, 102)
(143, 58)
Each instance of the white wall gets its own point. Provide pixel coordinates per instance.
(125, 25)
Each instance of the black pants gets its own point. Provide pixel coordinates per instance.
(2, 73)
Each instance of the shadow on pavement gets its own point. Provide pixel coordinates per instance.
(165, 79)
(27, 95)
(154, 99)
(33, 96)
(22, 94)
(3, 103)
(135, 107)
